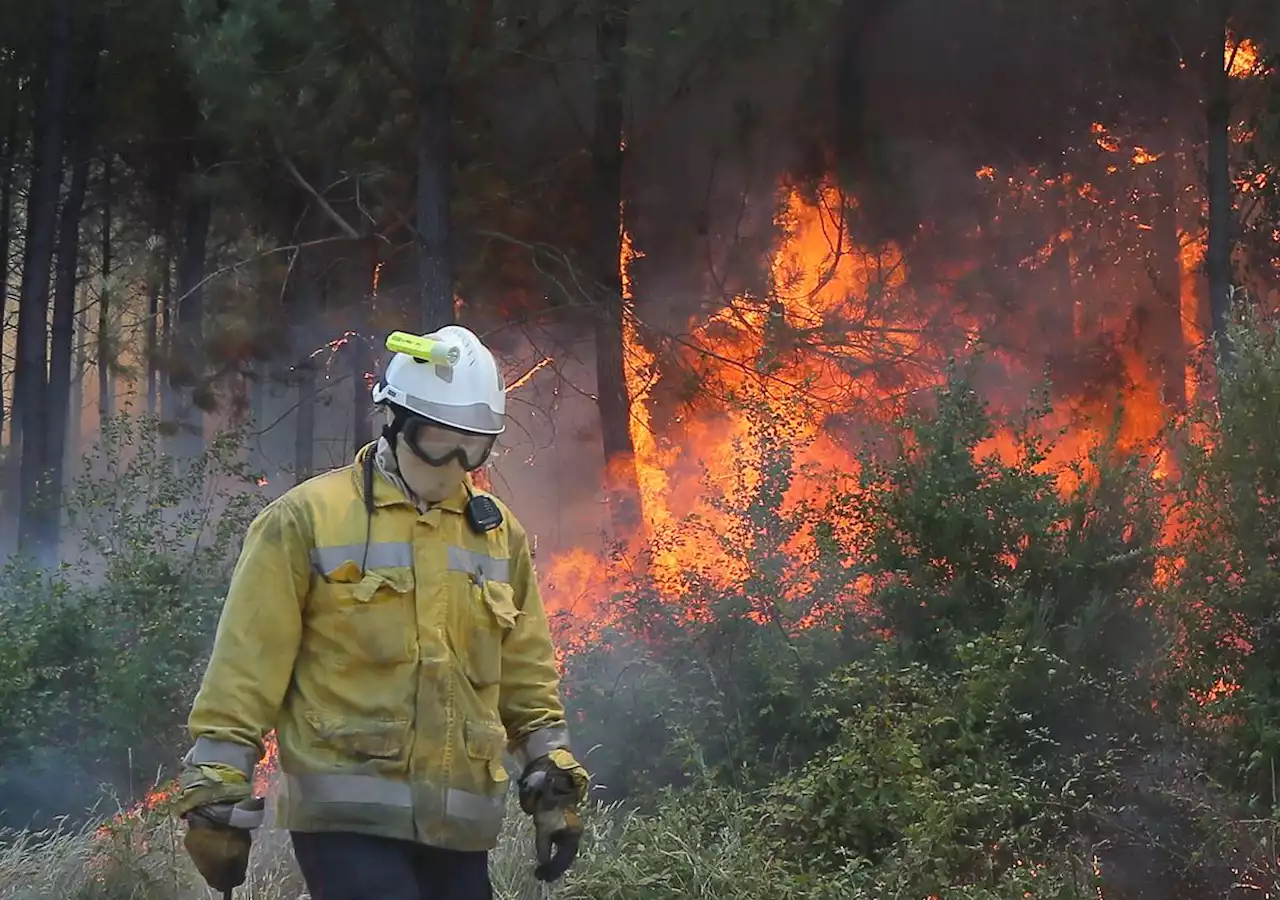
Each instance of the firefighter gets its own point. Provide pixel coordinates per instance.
(384, 619)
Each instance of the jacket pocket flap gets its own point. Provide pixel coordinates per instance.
(500, 598)
(398, 579)
(484, 741)
(368, 738)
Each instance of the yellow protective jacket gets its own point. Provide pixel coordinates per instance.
(393, 691)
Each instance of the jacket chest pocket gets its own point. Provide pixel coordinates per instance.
(370, 616)
(489, 615)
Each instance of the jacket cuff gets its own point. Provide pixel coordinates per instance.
(209, 751)
(539, 743)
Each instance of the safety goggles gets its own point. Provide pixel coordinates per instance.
(437, 444)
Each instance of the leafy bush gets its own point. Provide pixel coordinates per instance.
(100, 660)
(938, 692)
(1225, 592)
(962, 540)
(938, 780)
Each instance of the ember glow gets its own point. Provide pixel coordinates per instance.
(1242, 58)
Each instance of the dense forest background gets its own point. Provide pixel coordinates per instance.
(893, 391)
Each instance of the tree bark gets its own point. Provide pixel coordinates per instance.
(361, 403)
(6, 221)
(305, 315)
(435, 238)
(361, 425)
(1057, 316)
(30, 375)
(606, 263)
(1218, 119)
(153, 333)
(79, 142)
(188, 312)
(1166, 274)
(106, 382)
(168, 405)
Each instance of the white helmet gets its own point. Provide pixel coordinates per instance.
(468, 395)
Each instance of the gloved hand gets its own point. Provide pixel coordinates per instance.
(551, 789)
(220, 849)
(557, 837)
(221, 813)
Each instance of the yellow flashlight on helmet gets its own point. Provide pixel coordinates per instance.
(423, 349)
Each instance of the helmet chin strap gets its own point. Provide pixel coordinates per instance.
(391, 430)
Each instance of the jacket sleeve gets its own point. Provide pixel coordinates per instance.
(256, 642)
(529, 699)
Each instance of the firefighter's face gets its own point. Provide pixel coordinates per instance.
(429, 483)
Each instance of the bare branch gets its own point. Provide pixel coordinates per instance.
(343, 225)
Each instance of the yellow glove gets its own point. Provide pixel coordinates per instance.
(221, 813)
(551, 789)
(221, 854)
(205, 785)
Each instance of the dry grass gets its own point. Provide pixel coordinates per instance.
(140, 855)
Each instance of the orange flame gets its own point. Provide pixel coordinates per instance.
(1241, 58)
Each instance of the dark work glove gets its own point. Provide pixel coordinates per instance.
(219, 838)
(557, 837)
(550, 790)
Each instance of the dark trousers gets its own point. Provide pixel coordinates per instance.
(344, 866)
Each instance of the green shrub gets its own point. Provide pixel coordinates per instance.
(936, 780)
(978, 643)
(962, 543)
(1225, 593)
(99, 660)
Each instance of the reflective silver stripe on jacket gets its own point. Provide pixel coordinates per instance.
(473, 563)
(207, 751)
(327, 788)
(370, 789)
(540, 743)
(382, 555)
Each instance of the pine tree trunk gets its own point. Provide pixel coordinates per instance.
(606, 264)
(63, 331)
(1167, 276)
(75, 432)
(1057, 316)
(189, 311)
(435, 238)
(153, 335)
(79, 143)
(106, 381)
(6, 222)
(1218, 118)
(361, 412)
(305, 315)
(30, 388)
(357, 356)
(168, 405)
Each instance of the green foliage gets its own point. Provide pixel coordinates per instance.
(936, 695)
(964, 540)
(99, 661)
(936, 779)
(1226, 595)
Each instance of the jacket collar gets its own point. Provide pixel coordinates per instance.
(389, 489)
